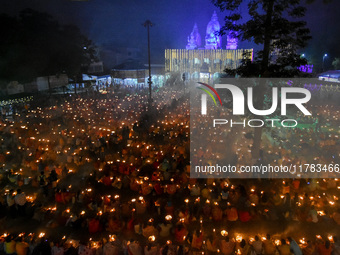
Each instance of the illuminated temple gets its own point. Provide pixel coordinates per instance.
(206, 61)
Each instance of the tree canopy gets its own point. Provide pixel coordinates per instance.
(278, 27)
(274, 24)
(34, 44)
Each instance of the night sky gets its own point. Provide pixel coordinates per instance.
(118, 23)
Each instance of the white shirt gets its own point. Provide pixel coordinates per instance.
(10, 200)
(20, 199)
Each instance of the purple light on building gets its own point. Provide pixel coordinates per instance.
(306, 68)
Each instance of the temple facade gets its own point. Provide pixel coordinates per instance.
(212, 39)
(198, 62)
(202, 63)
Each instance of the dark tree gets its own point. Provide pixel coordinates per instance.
(273, 24)
(34, 44)
(276, 25)
(324, 1)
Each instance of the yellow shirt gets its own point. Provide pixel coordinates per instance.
(284, 249)
(9, 247)
(21, 248)
(269, 247)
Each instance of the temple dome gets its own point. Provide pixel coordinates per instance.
(212, 38)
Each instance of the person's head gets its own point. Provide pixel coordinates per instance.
(227, 238)
(243, 243)
(268, 236)
(327, 244)
(256, 238)
(290, 239)
(283, 241)
(180, 250)
(8, 238)
(165, 250)
(19, 191)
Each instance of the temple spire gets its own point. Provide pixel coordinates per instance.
(212, 38)
(194, 40)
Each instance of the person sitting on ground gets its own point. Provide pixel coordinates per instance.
(9, 245)
(284, 248)
(20, 200)
(227, 247)
(325, 248)
(11, 204)
(21, 247)
(268, 245)
(294, 247)
(257, 245)
(309, 249)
